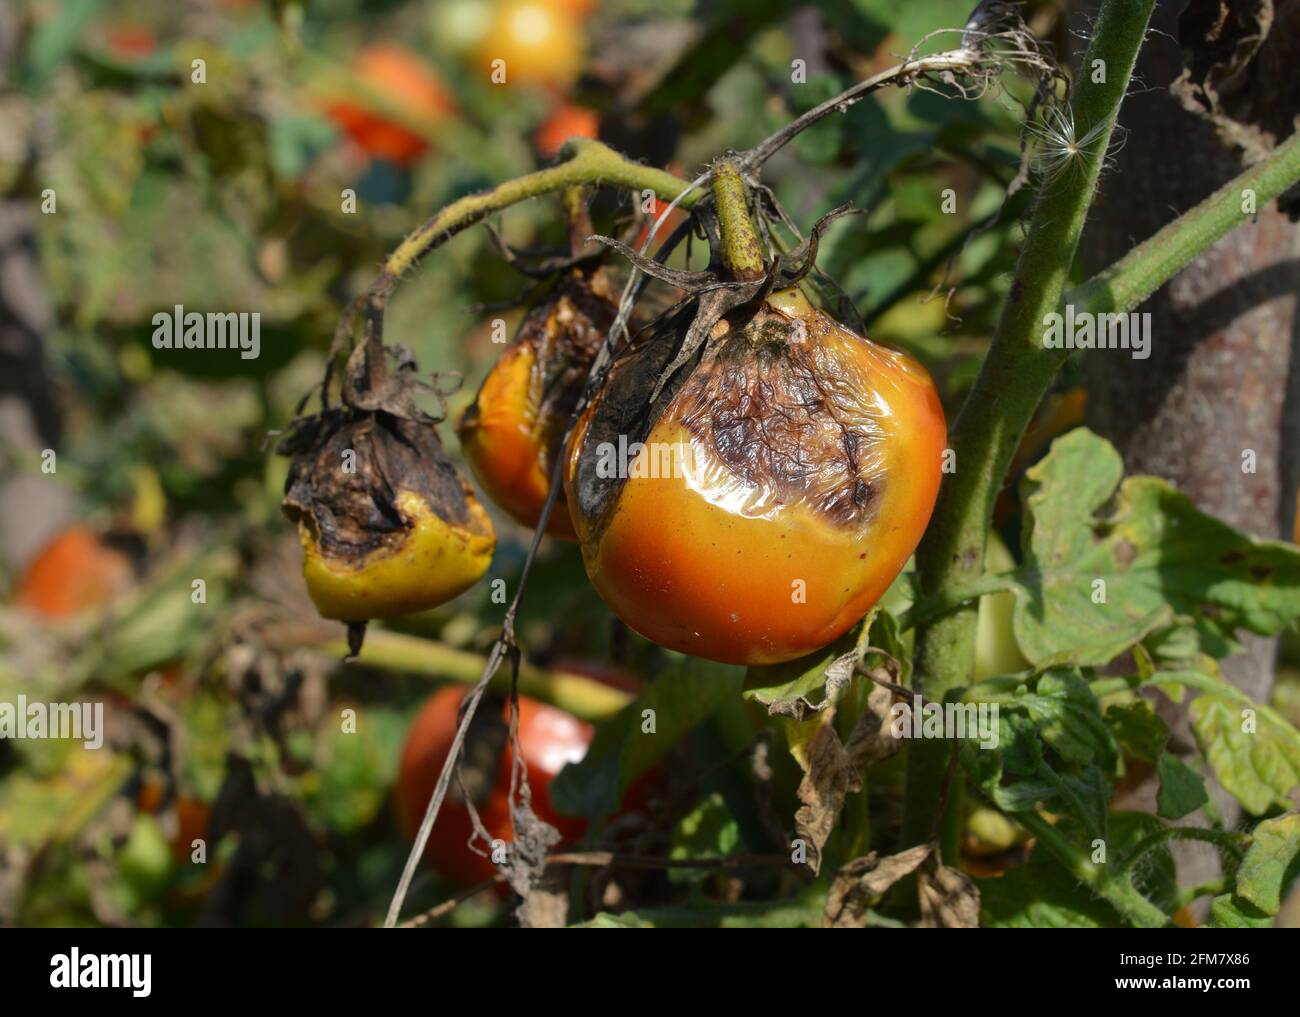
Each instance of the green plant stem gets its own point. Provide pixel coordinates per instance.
(585, 698)
(1129, 281)
(1012, 381)
(588, 162)
(741, 251)
(1112, 885)
(1224, 840)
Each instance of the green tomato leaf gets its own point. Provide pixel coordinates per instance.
(1137, 729)
(1069, 719)
(1107, 563)
(1254, 752)
(1228, 912)
(1182, 789)
(1041, 895)
(1271, 864)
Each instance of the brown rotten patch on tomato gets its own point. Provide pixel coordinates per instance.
(804, 463)
(349, 472)
(512, 432)
(387, 524)
(776, 407)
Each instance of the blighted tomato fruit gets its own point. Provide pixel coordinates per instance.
(388, 525)
(763, 502)
(548, 739)
(511, 435)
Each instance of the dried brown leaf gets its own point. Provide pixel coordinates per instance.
(861, 883)
(949, 899)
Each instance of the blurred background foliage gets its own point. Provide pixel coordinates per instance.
(231, 193)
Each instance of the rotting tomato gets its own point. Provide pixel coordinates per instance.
(73, 572)
(549, 738)
(511, 434)
(396, 81)
(388, 525)
(539, 43)
(765, 500)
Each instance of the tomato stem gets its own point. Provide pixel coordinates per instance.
(1014, 377)
(741, 252)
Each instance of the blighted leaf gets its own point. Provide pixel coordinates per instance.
(949, 899)
(828, 779)
(1227, 912)
(1271, 862)
(806, 685)
(1182, 789)
(1106, 563)
(1255, 754)
(832, 769)
(545, 906)
(861, 883)
(635, 738)
(1137, 728)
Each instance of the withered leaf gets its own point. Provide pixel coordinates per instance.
(861, 883)
(949, 899)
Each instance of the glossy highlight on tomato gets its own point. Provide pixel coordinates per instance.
(537, 43)
(549, 738)
(786, 476)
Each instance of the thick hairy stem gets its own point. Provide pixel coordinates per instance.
(1142, 271)
(741, 251)
(1011, 383)
(1126, 284)
(1110, 883)
(590, 162)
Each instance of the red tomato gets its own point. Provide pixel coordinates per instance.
(548, 737)
(565, 121)
(399, 79)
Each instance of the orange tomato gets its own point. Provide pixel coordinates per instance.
(565, 121)
(548, 738)
(533, 42)
(395, 81)
(73, 572)
(511, 433)
(770, 495)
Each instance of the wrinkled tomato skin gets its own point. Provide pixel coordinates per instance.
(504, 449)
(549, 738)
(687, 568)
